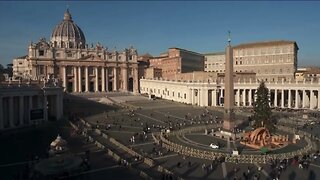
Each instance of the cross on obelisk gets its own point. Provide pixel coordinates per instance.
(229, 119)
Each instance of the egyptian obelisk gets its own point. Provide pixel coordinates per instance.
(229, 119)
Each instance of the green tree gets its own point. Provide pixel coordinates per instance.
(262, 110)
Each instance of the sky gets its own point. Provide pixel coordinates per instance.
(154, 26)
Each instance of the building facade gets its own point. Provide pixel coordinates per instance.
(80, 67)
(307, 74)
(283, 94)
(177, 61)
(270, 60)
(27, 104)
(215, 62)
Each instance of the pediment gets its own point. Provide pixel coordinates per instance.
(91, 57)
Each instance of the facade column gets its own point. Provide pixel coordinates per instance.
(289, 98)
(21, 112)
(30, 108)
(11, 108)
(75, 84)
(205, 97)
(107, 79)
(282, 98)
(1, 114)
(96, 81)
(86, 72)
(45, 108)
(135, 80)
(115, 79)
(103, 79)
(192, 96)
(275, 98)
(79, 79)
(244, 97)
(304, 98)
(297, 99)
(64, 77)
(250, 97)
(237, 98)
(199, 97)
(125, 78)
(312, 99)
(58, 107)
(214, 97)
(318, 99)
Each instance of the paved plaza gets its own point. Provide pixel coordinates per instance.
(123, 116)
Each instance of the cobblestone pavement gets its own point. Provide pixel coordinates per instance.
(119, 121)
(158, 114)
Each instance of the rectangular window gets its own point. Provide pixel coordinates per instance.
(41, 52)
(69, 55)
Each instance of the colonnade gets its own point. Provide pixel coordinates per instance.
(100, 78)
(18, 109)
(282, 95)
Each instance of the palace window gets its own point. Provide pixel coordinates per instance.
(69, 54)
(41, 52)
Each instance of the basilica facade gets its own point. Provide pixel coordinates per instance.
(80, 67)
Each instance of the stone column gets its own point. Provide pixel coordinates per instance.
(107, 79)
(103, 79)
(21, 112)
(86, 79)
(115, 79)
(318, 99)
(45, 108)
(312, 98)
(11, 108)
(238, 97)
(297, 99)
(192, 96)
(30, 108)
(275, 98)
(64, 77)
(135, 80)
(189, 97)
(125, 78)
(214, 97)
(244, 97)
(58, 107)
(205, 97)
(282, 98)
(289, 98)
(1, 114)
(75, 84)
(304, 98)
(199, 97)
(96, 81)
(250, 97)
(79, 79)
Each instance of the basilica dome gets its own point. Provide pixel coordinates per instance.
(67, 34)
